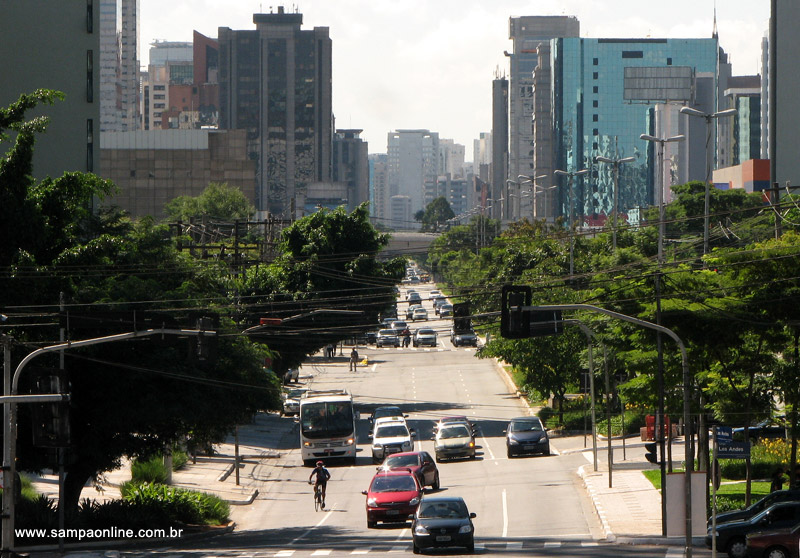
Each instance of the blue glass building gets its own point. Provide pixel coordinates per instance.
(600, 108)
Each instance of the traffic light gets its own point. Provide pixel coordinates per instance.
(651, 452)
(515, 324)
(461, 317)
(51, 423)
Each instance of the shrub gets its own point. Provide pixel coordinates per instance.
(151, 470)
(765, 457)
(180, 505)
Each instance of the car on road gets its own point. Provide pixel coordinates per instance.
(437, 303)
(782, 543)
(425, 336)
(410, 311)
(414, 298)
(731, 537)
(386, 411)
(454, 440)
(392, 496)
(390, 435)
(433, 294)
(291, 400)
(526, 435)
(419, 314)
(399, 325)
(443, 522)
(758, 506)
(445, 310)
(419, 462)
(291, 375)
(463, 338)
(452, 419)
(387, 338)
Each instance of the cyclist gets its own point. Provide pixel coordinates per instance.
(322, 479)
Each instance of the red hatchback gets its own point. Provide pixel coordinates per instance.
(783, 543)
(392, 496)
(419, 462)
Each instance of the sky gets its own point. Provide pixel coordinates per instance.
(400, 64)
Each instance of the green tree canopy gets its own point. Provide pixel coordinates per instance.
(435, 215)
(218, 201)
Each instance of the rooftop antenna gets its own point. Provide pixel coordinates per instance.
(714, 34)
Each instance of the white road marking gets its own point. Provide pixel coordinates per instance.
(374, 367)
(364, 551)
(284, 553)
(485, 444)
(402, 535)
(321, 552)
(505, 515)
(321, 521)
(552, 544)
(589, 543)
(674, 553)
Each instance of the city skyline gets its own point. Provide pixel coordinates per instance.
(430, 64)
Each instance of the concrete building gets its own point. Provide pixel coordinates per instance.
(541, 191)
(153, 167)
(784, 83)
(414, 158)
(275, 83)
(481, 151)
(527, 33)
(452, 157)
(351, 166)
(751, 176)
(118, 64)
(740, 136)
(498, 171)
(55, 45)
(379, 188)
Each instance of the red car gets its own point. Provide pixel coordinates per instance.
(392, 496)
(419, 462)
(782, 543)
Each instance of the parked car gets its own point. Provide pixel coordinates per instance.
(526, 435)
(758, 506)
(462, 338)
(782, 543)
(291, 400)
(445, 310)
(392, 497)
(390, 435)
(731, 536)
(425, 336)
(371, 337)
(443, 522)
(454, 440)
(387, 338)
(419, 314)
(419, 462)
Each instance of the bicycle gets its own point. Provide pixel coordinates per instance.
(319, 503)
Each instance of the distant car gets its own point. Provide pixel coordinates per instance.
(291, 375)
(437, 303)
(454, 440)
(445, 310)
(371, 337)
(415, 280)
(526, 435)
(419, 314)
(291, 400)
(392, 497)
(410, 292)
(772, 429)
(399, 325)
(731, 536)
(424, 277)
(386, 411)
(390, 436)
(433, 294)
(387, 338)
(414, 298)
(443, 522)
(419, 462)
(782, 543)
(444, 421)
(425, 337)
(462, 338)
(410, 311)
(758, 506)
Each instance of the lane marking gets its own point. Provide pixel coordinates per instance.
(398, 549)
(402, 535)
(284, 553)
(505, 515)
(551, 544)
(321, 521)
(364, 551)
(321, 552)
(485, 444)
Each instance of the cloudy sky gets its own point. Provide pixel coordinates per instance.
(429, 63)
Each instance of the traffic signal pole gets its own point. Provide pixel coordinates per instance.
(11, 396)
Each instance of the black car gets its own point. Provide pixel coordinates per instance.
(460, 338)
(385, 411)
(443, 522)
(526, 435)
(759, 506)
(731, 537)
(766, 429)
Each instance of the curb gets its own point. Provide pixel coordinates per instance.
(598, 507)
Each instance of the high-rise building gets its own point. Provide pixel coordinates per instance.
(481, 151)
(742, 136)
(351, 165)
(379, 187)
(275, 82)
(527, 33)
(604, 91)
(452, 157)
(414, 158)
(498, 172)
(55, 45)
(784, 84)
(118, 65)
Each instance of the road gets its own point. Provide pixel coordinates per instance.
(533, 506)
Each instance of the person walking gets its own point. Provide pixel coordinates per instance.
(353, 360)
(777, 480)
(406, 337)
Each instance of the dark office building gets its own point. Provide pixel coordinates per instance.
(351, 165)
(275, 82)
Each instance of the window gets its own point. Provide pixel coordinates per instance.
(90, 16)
(594, 103)
(594, 89)
(89, 145)
(89, 76)
(159, 96)
(159, 105)
(595, 61)
(594, 75)
(632, 54)
(159, 88)
(594, 118)
(669, 61)
(595, 132)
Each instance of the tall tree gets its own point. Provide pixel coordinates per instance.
(218, 201)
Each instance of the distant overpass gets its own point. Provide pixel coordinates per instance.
(408, 243)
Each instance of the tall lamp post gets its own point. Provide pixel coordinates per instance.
(616, 162)
(708, 118)
(532, 180)
(570, 175)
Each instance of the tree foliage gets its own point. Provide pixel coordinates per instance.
(435, 215)
(218, 201)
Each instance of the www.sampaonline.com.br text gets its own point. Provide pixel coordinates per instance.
(110, 533)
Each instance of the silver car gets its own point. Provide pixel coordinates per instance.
(425, 337)
(387, 338)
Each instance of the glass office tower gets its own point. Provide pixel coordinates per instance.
(604, 93)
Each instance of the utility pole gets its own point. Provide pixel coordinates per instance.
(570, 175)
(616, 163)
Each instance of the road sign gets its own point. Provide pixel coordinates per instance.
(733, 450)
(724, 434)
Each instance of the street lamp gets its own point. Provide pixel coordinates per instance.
(532, 180)
(616, 163)
(660, 198)
(570, 175)
(708, 118)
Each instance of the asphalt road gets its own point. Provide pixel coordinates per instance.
(531, 506)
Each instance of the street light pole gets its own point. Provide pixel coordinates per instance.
(616, 163)
(660, 193)
(708, 118)
(532, 180)
(570, 175)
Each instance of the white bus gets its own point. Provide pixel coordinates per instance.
(327, 426)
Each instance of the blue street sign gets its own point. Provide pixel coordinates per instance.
(733, 450)
(724, 434)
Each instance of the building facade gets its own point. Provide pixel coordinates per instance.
(55, 45)
(744, 132)
(118, 65)
(275, 83)
(379, 188)
(414, 158)
(154, 167)
(351, 166)
(498, 171)
(784, 83)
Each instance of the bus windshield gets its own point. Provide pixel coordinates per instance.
(326, 419)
